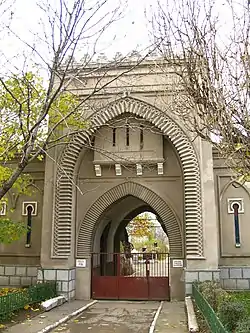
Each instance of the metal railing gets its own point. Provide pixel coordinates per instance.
(208, 313)
(134, 265)
(17, 300)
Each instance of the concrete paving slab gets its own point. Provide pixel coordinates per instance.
(172, 318)
(119, 317)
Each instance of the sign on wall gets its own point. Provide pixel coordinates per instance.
(177, 263)
(81, 263)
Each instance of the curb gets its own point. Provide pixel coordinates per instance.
(66, 318)
(53, 303)
(152, 326)
(192, 322)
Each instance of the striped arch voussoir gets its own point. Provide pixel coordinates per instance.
(192, 183)
(92, 217)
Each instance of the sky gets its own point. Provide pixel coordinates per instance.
(131, 31)
(127, 33)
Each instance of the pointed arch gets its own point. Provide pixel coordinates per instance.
(231, 183)
(62, 220)
(92, 217)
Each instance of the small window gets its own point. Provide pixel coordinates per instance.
(127, 135)
(114, 137)
(29, 218)
(141, 137)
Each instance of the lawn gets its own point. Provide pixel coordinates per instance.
(243, 297)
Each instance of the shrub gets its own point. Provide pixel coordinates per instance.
(213, 293)
(231, 313)
(243, 326)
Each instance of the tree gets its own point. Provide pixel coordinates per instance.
(28, 104)
(206, 45)
(141, 226)
(38, 110)
(11, 230)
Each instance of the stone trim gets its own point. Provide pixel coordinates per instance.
(62, 222)
(17, 275)
(235, 277)
(66, 280)
(88, 225)
(192, 275)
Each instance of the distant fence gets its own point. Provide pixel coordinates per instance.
(17, 300)
(210, 316)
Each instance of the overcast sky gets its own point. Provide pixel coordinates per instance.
(128, 33)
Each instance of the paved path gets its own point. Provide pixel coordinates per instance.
(110, 316)
(172, 318)
(107, 317)
(39, 322)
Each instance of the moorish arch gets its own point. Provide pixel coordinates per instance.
(93, 216)
(66, 174)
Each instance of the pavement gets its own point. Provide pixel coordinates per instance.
(39, 322)
(172, 318)
(109, 316)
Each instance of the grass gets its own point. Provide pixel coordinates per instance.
(243, 297)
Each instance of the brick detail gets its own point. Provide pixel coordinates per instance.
(235, 277)
(17, 275)
(199, 275)
(65, 280)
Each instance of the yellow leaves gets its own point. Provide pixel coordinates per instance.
(238, 146)
(6, 291)
(2, 326)
(140, 226)
(34, 310)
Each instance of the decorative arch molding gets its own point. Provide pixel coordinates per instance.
(93, 215)
(231, 182)
(191, 173)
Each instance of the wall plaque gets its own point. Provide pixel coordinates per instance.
(177, 263)
(81, 263)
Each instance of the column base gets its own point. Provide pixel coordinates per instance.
(200, 275)
(65, 278)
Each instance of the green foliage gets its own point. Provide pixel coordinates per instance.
(243, 326)
(26, 109)
(232, 309)
(213, 293)
(22, 183)
(149, 244)
(231, 313)
(11, 231)
(207, 311)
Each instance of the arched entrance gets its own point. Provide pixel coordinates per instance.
(64, 214)
(98, 233)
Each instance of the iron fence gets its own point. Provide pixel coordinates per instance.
(133, 265)
(17, 300)
(210, 316)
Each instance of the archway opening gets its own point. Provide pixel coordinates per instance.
(138, 265)
(105, 219)
(137, 237)
(146, 234)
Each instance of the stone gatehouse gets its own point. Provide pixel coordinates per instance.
(134, 155)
